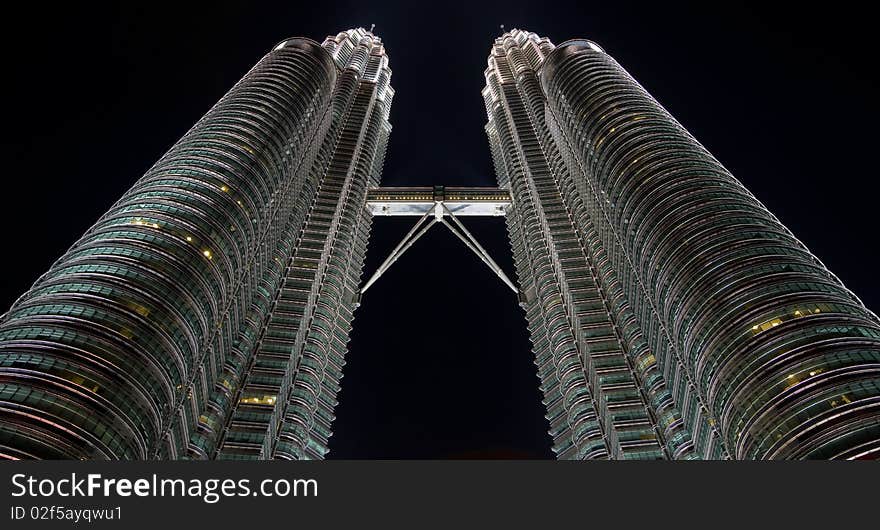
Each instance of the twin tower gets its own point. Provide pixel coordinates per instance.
(206, 314)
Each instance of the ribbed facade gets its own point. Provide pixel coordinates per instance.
(672, 315)
(206, 315)
(597, 404)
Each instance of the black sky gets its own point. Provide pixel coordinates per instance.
(440, 365)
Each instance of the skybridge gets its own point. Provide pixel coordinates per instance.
(458, 201)
(439, 205)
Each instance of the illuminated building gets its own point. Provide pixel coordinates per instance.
(672, 315)
(206, 314)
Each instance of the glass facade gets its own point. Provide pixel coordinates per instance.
(672, 315)
(206, 315)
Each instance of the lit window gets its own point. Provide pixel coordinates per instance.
(764, 326)
(139, 309)
(259, 400)
(797, 313)
(844, 399)
(140, 222)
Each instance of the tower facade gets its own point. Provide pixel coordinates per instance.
(206, 314)
(672, 315)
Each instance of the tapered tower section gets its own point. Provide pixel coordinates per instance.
(597, 397)
(284, 406)
(206, 314)
(707, 318)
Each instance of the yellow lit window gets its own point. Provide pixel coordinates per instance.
(790, 381)
(259, 400)
(140, 222)
(764, 326)
(843, 400)
(797, 313)
(139, 309)
(646, 361)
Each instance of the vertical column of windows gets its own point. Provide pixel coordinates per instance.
(128, 331)
(576, 427)
(742, 318)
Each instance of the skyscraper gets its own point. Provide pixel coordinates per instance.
(672, 315)
(206, 314)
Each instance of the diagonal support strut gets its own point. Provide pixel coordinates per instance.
(468, 239)
(411, 237)
(437, 213)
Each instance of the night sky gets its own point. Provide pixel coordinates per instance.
(440, 364)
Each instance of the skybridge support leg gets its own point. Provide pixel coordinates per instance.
(468, 239)
(411, 237)
(437, 213)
